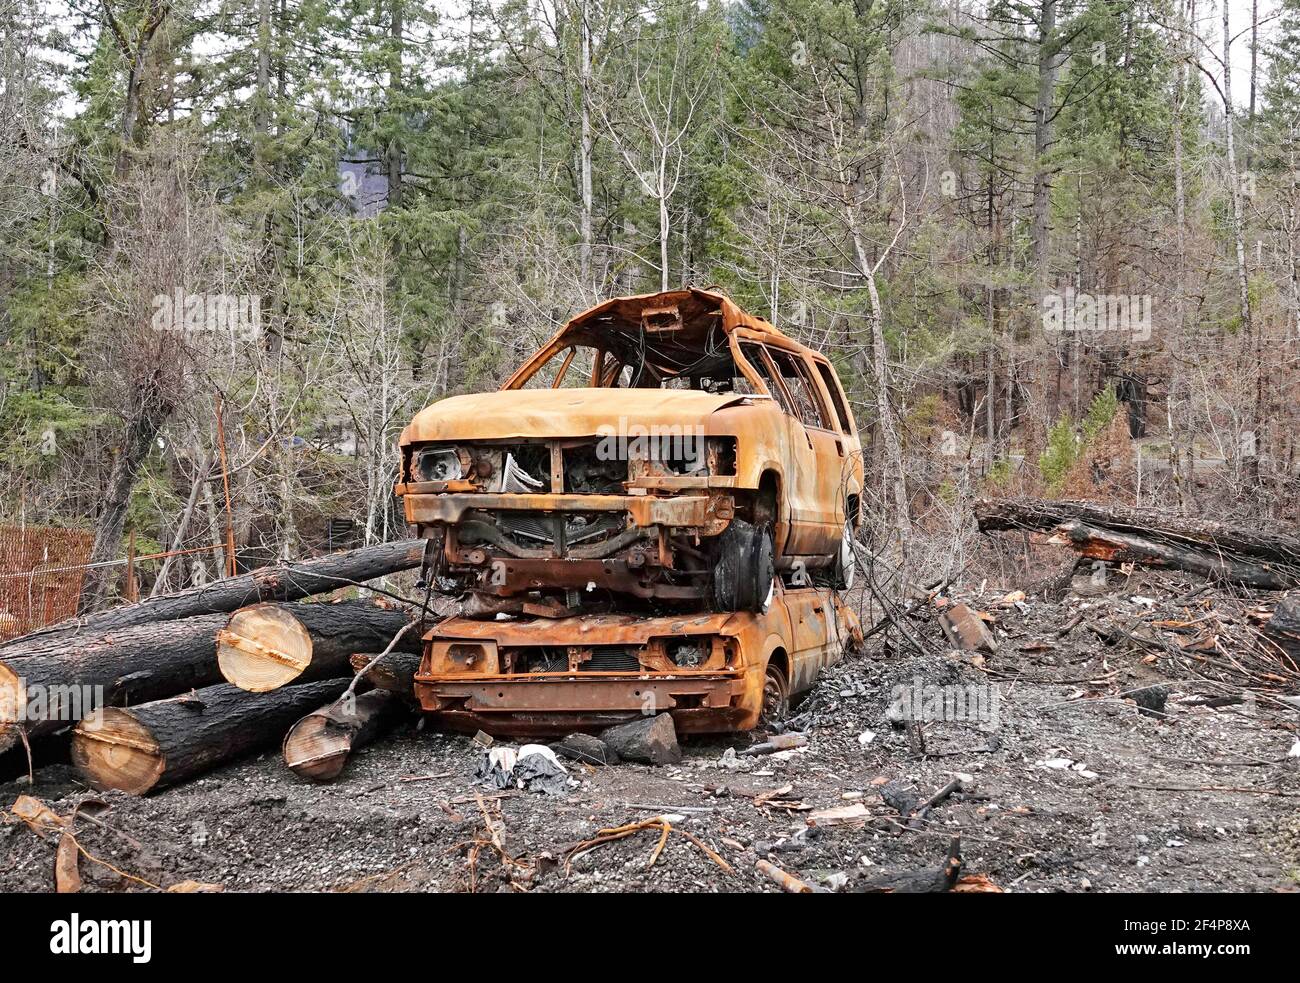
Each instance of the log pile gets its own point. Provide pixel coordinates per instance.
(147, 747)
(1265, 559)
(161, 690)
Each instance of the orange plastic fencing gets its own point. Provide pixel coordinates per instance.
(35, 587)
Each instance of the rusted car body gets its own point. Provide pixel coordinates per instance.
(666, 446)
(713, 672)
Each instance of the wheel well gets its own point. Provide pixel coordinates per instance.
(781, 661)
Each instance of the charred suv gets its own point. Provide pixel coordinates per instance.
(666, 446)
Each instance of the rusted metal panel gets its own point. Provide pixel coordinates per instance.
(557, 413)
(40, 576)
(687, 511)
(767, 411)
(721, 691)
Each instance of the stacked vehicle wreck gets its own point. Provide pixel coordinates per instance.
(654, 513)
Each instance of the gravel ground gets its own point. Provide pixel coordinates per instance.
(1066, 786)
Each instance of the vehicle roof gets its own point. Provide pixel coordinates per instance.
(675, 331)
(699, 310)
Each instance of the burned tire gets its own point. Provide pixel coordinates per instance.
(746, 569)
(776, 695)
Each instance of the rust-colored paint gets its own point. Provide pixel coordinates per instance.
(816, 466)
(465, 683)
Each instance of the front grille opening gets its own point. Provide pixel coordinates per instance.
(611, 660)
(595, 469)
(560, 658)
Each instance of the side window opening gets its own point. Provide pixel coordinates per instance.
(802, 390)
(754, 356)
(837, 395)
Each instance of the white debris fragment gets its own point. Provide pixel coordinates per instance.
(867, 736)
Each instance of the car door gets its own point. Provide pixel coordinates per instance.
(815, 640)
(822, 518)
(799, 457)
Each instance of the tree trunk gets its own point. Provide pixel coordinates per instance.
(319, 745)
(395, 672)
(148, 747)
(273, 583)
(1048, 65)
(1234, 181)
(267, 646)
(201, 475)
(42, 692)
(153, 408)
(395, 82)
(585, 151)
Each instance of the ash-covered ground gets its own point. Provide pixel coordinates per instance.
(1067, 785)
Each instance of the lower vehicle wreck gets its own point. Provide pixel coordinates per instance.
(713, 672)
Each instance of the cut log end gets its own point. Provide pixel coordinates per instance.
(114, 750)
(12, 699)
(316, 748)
(263, 648)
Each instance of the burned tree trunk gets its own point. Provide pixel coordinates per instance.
(42, 692)
(267, 646)
(151, 746)
(319, 745)
(1283, 628)
(273, 583)
(1269, 560)
(395, 672)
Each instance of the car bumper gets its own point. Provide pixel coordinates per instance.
(555, 704)
(642, 510)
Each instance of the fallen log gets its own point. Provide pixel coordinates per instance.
(395, 672)
(1268, 560)
(267, 646)
(1042, 515)
(46, 691)
(319, 745)
(287, 582)
(145, 748)
(1117, 547)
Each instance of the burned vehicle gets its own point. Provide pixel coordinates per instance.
(713, 672)
(666, 446)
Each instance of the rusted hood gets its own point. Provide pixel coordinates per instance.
(561, 413)
(591, 629)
